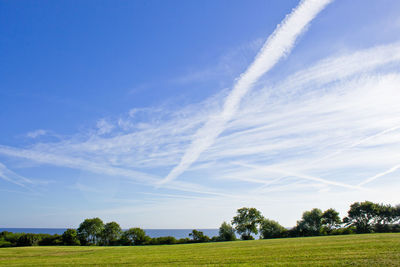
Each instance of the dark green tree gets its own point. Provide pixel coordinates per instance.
(111, 234)
(271, 229)
(134, 236)
(330, 219)
(70, 238)
(396, 213)
(386, 215)
(226, 232)
(362, 215)
(246, 222)
(310, 223)
(90, 231)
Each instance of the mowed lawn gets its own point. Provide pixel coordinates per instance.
(361, 250)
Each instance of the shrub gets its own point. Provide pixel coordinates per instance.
(164, 240)
(70, 238)
(49, 240)
(199, 237)
(226, 233)
(134, 236)
(183, 240)
(5, 244)
(271, 229)
(28, 240)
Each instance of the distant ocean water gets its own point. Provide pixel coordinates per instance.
(177, 233)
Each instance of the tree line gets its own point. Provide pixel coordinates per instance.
(363, 217)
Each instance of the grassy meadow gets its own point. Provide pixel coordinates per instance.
(356, 250)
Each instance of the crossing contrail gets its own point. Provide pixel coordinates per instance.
(359, 142)
(278, 45)
(370, 179)
(300, 175)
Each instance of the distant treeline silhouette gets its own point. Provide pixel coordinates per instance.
(364, 217)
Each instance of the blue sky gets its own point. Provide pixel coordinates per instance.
(173, 114)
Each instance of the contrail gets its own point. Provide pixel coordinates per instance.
(278, 45)
(5, 174)
(359, 142)
(299, 175)
(370, 179)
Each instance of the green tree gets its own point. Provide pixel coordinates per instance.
(246, 222)
(90, 230)
(330, 219)
(362, 216)
(226, 232)
(198, 236)
(385, 216)
(396, 213)
(310, 223)
(271, 229)
(111, 234)
(134, 236)
(70, 238)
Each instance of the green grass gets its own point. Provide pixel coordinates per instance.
(355, 250)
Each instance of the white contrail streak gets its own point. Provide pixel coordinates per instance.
(279, 44)
(359, 142)
(299, 175)
(366, 139)
(10, 176)
(370, 179)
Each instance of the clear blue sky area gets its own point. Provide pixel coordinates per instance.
(100, 101)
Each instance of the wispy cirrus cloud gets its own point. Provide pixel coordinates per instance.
(104, 127)
(337, 122)
(277, 46)
(36, 133)
(10, 176)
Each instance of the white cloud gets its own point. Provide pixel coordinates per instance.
(340, 126)
(10, 176)
(104, 127)
(279, 44)
(330, 125)
(36, 133)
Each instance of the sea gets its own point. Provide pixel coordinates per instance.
(177, 233)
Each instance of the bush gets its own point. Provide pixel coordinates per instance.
(9, 237)
(199, 237)
(26, 240)
(343, 231)
(247, 237)
(5, 244)
(382, 228)
(271, 229)
(134, 236)
(216, 239)
(226, 233)
(70, 238)
(49, 240)
(183, 240)
(395, 228)
(164, 240)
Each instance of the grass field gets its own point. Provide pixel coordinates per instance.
(358, 250)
